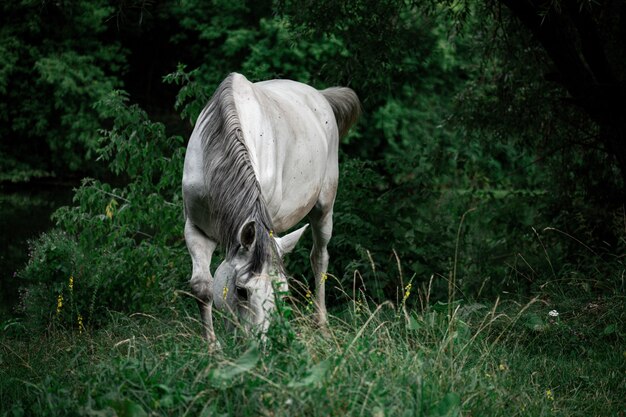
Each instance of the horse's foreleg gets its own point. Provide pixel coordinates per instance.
(201, 249)
(322, 228)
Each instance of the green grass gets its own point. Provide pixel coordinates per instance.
(506, 359)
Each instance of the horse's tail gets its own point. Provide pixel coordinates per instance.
(346, 107)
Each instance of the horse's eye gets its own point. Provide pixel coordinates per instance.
(242, 293)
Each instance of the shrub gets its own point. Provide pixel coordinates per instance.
(122, 246)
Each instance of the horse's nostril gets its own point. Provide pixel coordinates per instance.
(242, 293)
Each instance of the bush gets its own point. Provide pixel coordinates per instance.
(122, 247)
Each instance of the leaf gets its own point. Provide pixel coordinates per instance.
(244, 363)
(413, 324)
(314, 375)
(128, 408)
(449, 406)
(471, 308)
(442, 307)
(610, 329)
(534, 323)
(462, 332)
(166, 398)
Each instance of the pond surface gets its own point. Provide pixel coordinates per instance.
(25, 211)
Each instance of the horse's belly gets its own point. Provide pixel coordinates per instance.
(294, 208)
(296, 191)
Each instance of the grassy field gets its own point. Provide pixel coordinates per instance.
(457, 359)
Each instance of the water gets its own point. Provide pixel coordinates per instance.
(24, 214)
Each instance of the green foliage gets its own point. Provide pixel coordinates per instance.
(54, 258)
(515, 97)
(471, 359)
(58, 63)
(410, 172)
(245, 38)
(123, 246)
(447, 194)
(454, 124)
(192, 96)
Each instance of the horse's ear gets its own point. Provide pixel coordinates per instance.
(247, 234)
(286, 243)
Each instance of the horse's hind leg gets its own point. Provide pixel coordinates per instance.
(201, 249)
(322, 227)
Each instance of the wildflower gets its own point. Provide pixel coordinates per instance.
(59, 303)
(549, 395)
(407, 292)
(80, 324)
(553, 313)
(324, 276)
(71, 283)
(271, 233)
(502, 367)
(110, 208)
(225, 292)
(309, 299)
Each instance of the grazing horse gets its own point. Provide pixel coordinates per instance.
(261, 157)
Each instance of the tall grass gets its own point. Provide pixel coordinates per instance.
(448, 359)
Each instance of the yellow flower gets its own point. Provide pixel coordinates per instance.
(59, 303)
(309, 299)
(71, 283)
(407, 292)
(549, 395)
(110, 208)
(225, 292)
(80, 324)
(502, 367)
(271, 233)
(324, 276)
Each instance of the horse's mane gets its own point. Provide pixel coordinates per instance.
(233, 191)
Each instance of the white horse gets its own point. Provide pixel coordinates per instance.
(261, 157)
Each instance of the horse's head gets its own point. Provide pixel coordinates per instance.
(249, 291)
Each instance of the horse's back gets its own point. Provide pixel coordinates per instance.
(291, 134)
(291, 137)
